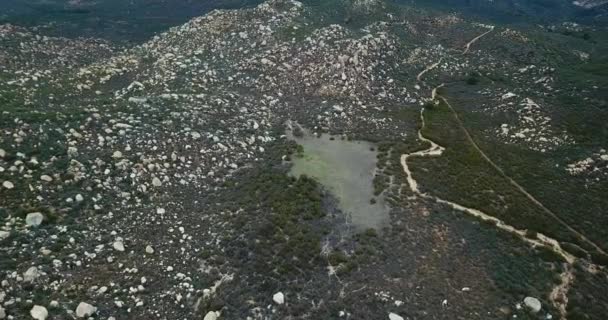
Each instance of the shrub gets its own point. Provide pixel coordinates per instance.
(336, 258)
(599, 258)
(472, 80)
(574, 249)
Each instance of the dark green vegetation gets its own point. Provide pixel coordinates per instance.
(286, 242)
(140, 19)
(461, 175)
(292, 219)
(382, 177)
(517, 270)
(113, 19)
(327, 12)
(519, 11)
(390, 151)
(135, 21)
(473, 78)
(283, 224)
(585, 303)
(514, 269)
(543, 174)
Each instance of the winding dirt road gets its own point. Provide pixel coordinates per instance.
(559, 293)
(494, 165)
(467, 47)
(513, 182)
(429, 68)
(436, 150)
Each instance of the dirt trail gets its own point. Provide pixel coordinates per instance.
(429, 68)
(467, 47)
(513, 182)
(437, 150)
(558, 295)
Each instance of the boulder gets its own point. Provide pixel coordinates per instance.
(39, 313)
(211, 315)
(508, 95)
(533, 304)
(85, 310)
(394, 316)
(34, 219)
(138, 100)
(4, 234)
(118, 245)
(31, 274)
(278, 298)
(156, 182)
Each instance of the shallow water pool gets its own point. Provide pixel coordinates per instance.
(346, 169)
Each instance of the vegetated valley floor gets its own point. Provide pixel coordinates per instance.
(151, 181)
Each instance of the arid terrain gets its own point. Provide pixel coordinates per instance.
(307, 160)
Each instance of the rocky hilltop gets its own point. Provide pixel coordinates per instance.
(589, 4)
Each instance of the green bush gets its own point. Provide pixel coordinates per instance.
(336, 258)
(472, 80)
(599, 258)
